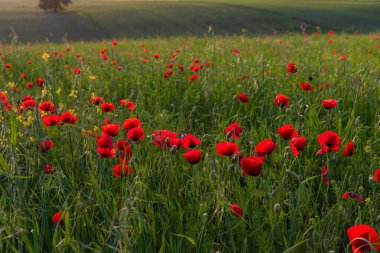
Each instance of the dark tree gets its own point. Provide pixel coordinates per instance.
(53, 5)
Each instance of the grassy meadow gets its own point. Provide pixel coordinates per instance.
(107, 19)
(188, 86)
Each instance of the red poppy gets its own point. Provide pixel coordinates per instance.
(234, 129)
(126, 103)
(193, 78)
(251, 165)
(8, 66)
(156, 56)
(236, 51)
(58, 217)
(265, 147)
(329, 103)
(40, 82)
(376, 175)
(193, 156)
(29, 104)
(282, 100)
(131, 123)
(363, 238)
(136, 134)
(111, 129)
(122, 145)
(47, 106)
(353, 195)
(107, 107)
(162, 137)
(96, 100)
(330, 33)
(243, 98)
(49, 168)
(121, 170)
(175, 142)
(46, 145)
(297, 144)
(226, 148)
(329, 141)
(76, 71)
(342, 57)
(106, 152)
(325, 174)
(105, 141)
(349, 149)
(287, 132)
(291, 68)
(306, 86)
(190, 141)
(236, 209)
(68, 118)
(51, 120)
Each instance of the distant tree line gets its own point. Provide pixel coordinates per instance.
(53, 5)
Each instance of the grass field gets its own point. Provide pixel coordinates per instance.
(102, 19)
(189, 86)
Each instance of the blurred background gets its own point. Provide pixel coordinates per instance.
(24, 21)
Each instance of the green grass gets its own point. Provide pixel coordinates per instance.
(91, 20)
(168, 205)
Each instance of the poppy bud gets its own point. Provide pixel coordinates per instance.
(205, 216)
(357, 121)
(277, 208)
(173, 149)
(229, 134)
(351, 179)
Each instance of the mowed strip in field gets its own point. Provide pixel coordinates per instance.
(92, 20)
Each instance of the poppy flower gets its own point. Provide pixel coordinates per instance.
(193, 156)
(243, 98)
(251, 165)
(96, 100)
(287, 132)
(297, 144)
(306, 86)
(58, 217)
(49, 168)
(236, 209)
(236, 51)
(47, 106)
(29, 104)
(175, 142)
(106, 152)
(126, 103)
(282, 100)
(8, 66)
(190, 141)
(329, 141)
(329, 103)
(265, 147)
(111, 129)
(353, 195)
(235, 129)
(40, 82)
(162, 137)
(291, 68)
(349, 149)
(121, 170)
(330, 33)
(122, 145)
(156, 56)
(136, 134)
(67, 118)
(107, 107)
(363, 238)
(104, 141)
(76, 71)
(325, 174)
(46, 145)
(342, 57)
(226, 148)
(376, 175)
(51, 120)
(193, 78)
(131, 123)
